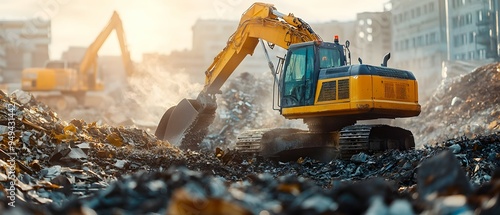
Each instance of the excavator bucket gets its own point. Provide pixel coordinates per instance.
(176, 121)
(186, 124)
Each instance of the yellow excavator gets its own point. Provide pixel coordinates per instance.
(63, 85)
(316, 82)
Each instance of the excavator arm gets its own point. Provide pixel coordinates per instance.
(260, 21)
(88, 64)
(186, 124)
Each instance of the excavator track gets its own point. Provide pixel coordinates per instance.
(351, 140)
(249, 141)
(288, 144)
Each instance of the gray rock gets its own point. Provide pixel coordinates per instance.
(441, 175)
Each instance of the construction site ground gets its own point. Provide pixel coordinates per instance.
(61, 166)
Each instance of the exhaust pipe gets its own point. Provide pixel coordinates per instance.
(386, 58)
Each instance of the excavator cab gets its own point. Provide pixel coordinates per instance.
(301, 69)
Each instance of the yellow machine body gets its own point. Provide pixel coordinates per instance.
(363, 96)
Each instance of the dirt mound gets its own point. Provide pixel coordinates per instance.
(463, 106)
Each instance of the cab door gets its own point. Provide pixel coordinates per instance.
(298, 83)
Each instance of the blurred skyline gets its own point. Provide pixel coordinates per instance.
(159, 25)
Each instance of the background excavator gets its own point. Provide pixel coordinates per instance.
(63, 85)
(315, 82)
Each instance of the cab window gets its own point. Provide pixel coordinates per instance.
(329, 58)
(298, 76)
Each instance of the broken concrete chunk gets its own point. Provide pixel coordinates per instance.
(51, 172)
(26, 137)
(3, 129)
(120, 164)
(439, 108)
(84, 146)
(360, 158)
(76, 154)
(64, 183)
(442, 175)
(22, 96)
(455, 148)
(356, 198)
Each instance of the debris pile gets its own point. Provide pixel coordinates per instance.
(38, 148)
(433, 180)
(465, 105)
(50, 166)
(246, 98)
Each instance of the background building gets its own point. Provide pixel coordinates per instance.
(345, 31)
(23, 43)
(373, 37)
(472, 29)
(211, 36)
(3, 57)
(419, 40)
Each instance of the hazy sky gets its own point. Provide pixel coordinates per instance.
(159, 25)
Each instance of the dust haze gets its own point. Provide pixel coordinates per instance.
(156, 25)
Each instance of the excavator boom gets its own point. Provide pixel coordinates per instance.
(88, 63)
(260, 21)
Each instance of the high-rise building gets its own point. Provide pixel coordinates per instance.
(373, 36)
(23, 43)
(472, 29)
(3, 57)
(419, 40)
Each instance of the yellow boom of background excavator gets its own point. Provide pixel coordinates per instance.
(316, 83)
(72, 80)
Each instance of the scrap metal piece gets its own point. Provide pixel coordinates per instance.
(6, 156)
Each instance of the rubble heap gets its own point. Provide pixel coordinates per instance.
(245, 104)
(439, 185)
(88, 156)
(465, 105)
(84, 168)
(434, 180)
